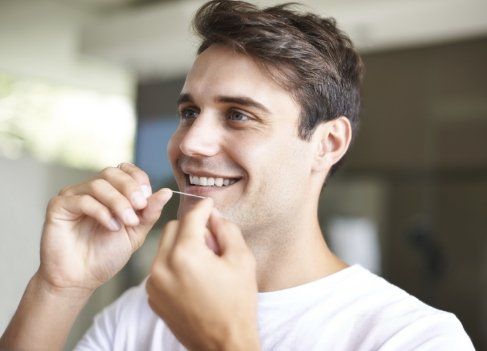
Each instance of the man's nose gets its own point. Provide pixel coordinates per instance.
(202, 138)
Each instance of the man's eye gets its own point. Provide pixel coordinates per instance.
(238, 116)
(188, 113)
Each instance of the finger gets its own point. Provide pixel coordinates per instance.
(168, 237)
(149, 215)
(105, 193)
(85, 205)
(193, 224)
(152, 294)
(126, 185)
(156, 287)
(212, 243)
(139, 176)
(228, 236)
(152, 291)
(155, 205)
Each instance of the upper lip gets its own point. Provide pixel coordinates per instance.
(203, 173)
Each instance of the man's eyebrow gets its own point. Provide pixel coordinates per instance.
(244, 101)
(184, 98)
(239, 100)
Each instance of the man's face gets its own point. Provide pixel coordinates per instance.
(238, 143)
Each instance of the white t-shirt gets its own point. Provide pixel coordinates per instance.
(352, 309)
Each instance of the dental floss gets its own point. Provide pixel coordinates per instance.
(179, 192)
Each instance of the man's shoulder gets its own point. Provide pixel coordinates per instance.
(355, 309)
(387, 312)
(375, 297)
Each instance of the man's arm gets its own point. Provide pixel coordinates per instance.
(44, 317)
(90, 232)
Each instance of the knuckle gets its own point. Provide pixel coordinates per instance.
(85, 200)
(138, 174)
(124, 165)
(106, 172)
(97, 185)
(130, 187)
(177, 260)
(89, 205)
(155, 269)
(54, 202)
(65, 190)
(159, 276)
(141, 176)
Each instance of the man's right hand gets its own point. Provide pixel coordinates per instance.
(90, 232)
(91, 229)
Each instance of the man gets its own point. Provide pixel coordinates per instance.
(267, 112)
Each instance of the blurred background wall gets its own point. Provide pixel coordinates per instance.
(86, 84)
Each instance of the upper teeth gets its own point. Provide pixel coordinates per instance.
(209, 181)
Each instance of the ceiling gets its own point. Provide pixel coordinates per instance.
(153, 37)
(111, 5)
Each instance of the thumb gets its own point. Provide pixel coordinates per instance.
(194, 223)
(149, 215)
(155, 204)
(227, 235)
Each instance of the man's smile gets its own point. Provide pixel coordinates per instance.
(204, 183)
(210, 181)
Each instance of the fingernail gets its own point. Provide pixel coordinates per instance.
(146, 190)
(168, 192)
(130, 217)
(114, 225)
(163, 200)
(138, 199)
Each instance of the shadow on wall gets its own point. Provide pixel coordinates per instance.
(423, 140)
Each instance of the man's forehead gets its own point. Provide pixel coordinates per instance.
(221, 66)
(220, 72)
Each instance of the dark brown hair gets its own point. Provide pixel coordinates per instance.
(304, 53)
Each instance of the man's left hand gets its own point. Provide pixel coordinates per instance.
(203, 282)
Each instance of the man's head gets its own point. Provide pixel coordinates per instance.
(253, 111)
(306, 54)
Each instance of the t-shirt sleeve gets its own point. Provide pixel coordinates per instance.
(441, 331)
(101, 334)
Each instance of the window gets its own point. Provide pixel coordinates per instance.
(73, 126)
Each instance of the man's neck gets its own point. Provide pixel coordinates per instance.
(287, 258)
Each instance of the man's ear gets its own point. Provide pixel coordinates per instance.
(332, 140)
